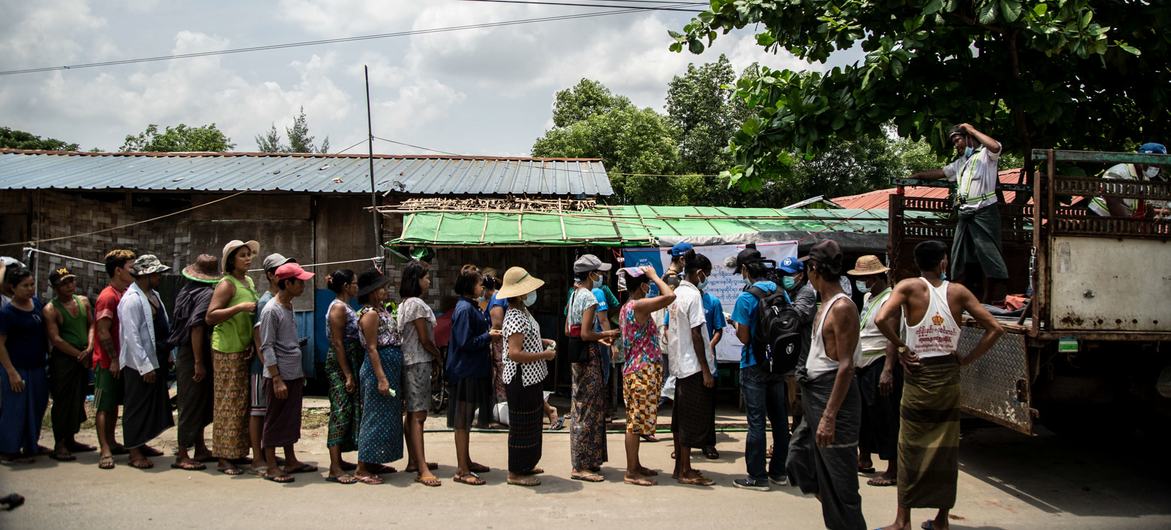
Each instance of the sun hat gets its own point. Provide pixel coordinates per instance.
(275, 260)
(58, 275)
(292, 270)
(232, 246)
(370, 281)
(204, 270)
(589, 263)
(868, 265)
(147, 264)
(518, 282)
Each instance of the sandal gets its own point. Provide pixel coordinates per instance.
(370, 480)
(710, 453)
(188, 465)
(141, 464)
(649, 438)
(696, 480)
(280, 479)
(882, 482)
(471, 479)
(230, 471)
(533, 471)
(431, 482)
(587, 477)
(343, 479)
(106, 462)
(478, 468)
(527, 481)
(639, 481)
(303, 468)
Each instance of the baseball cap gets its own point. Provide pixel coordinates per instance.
(680, 249)
(292, 270)
(588, 263)
(1152, 148)
(791, 265)
(746, 256)
(828, 253)
(59, 275)
(275, 260)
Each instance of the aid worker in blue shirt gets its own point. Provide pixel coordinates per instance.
(764, 393)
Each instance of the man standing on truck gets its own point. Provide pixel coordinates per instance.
(929, 431)
(1119, 207)
(977, 235)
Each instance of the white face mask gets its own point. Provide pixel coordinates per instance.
(1151, 172)
(530, 299)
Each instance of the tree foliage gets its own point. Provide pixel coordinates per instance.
(300, 141)
(1034, 73)
(17, 139)
(179, 138)
(702, 107)
(584, 100)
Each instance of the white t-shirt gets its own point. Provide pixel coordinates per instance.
(975, 179)
(687, 313)
(871, 340)
(1118, 172)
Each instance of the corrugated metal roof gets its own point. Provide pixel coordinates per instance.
(409, 174)
(880, 199)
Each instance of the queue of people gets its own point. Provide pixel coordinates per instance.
(851, 368)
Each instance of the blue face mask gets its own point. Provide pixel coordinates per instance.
(861, 286)
(968, 151)
(703, 284)
(530, 299)
(789, 283)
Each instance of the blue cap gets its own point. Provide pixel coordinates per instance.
(1152, 148)
(680, 249)
(791, 265)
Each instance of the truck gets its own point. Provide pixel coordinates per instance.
(1095, 335)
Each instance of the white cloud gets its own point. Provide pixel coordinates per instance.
(37, 32)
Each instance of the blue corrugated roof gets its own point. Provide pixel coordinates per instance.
(408, 174)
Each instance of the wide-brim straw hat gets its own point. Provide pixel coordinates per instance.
(868, 265)
(232, 246)
(203, 270)
(518, 282)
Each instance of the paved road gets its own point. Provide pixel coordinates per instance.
(1006, 481)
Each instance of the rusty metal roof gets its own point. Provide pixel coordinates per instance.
(880, 199)
(304, 173)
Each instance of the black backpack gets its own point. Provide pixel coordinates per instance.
(776, 343)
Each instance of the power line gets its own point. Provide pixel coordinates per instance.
(417, 146)
(577, 4)
(320, 42)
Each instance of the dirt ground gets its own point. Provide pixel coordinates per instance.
(1007, 481)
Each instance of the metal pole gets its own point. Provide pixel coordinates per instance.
(373, 190)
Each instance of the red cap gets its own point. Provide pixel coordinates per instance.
(292, 270)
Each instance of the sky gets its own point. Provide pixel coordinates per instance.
(475, 92)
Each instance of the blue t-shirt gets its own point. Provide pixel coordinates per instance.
(713, 312)
(27, 341)
(495, 302)
(744, 314)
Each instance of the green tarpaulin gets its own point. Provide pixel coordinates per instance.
(625, 226)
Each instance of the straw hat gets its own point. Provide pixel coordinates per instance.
(204, 270)
(868, 265)
(232, 246)
(518, 282)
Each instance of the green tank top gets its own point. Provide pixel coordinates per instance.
(235, 334)
(74, 329)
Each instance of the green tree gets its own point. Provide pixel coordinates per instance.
(270, 141)
(17, 139)
(583, 100)
(179, 138)
(300, 141)
(702, 106)
(1035, 73)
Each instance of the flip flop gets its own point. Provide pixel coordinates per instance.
(141, 464)
(106, 462)
(696, 481)
(640, 481)
(866, 470)
(189, 466)
(280, 479)
(303, 468)
(471, 479)
(344, 479)
(587, 477)
(478, 468)
(882, 482)
(527, 481)
(649, 438)
(230, 471)
(67, 457)
(431, 482)
(370, 480)
(431, 466)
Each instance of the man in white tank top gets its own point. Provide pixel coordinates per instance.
(826, 462)
(929, 432)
